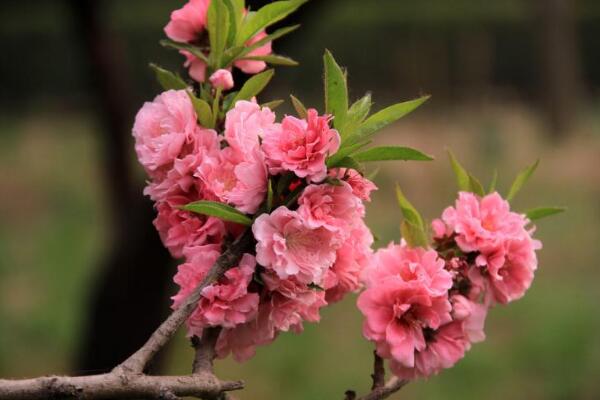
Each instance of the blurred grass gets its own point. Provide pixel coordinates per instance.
(542, 347)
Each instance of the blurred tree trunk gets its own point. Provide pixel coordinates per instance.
(130, 290)
(560, 80)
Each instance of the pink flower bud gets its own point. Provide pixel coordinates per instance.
(222, 79)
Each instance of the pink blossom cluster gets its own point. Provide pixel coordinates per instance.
(188, 25)
(312, 244)
(424, 307)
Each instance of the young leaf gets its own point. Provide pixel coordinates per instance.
(264, 17)
(218, 30)
(521, 179)
(253, 86)
(167, 79)
(356, 114)
(476, 186)
(383, 118)
(298, 106)
(196, 51)
(237, 52)
(492, 187)
(270, 195)
(384, 153)
(349, 162)
(409, 212)
(219, 210)
(344, 152)
(462, 176)
(414, 236)
(272, 104)
(542, 212)
(336, 90)
(203, 111)
(235, 14)
(273, 59)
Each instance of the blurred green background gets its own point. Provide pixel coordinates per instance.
(511, 81)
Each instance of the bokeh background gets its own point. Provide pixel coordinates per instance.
(83, 277)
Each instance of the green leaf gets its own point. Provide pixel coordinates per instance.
(270, 196)
(273, 59)
(316, 287)
(272, 104)
(333, 160)
(264, 17)
(492, 187)
(414, 236)
(218, 30)
(298, 106)
(184, 46)
(538, 213)
(409, 212)
(237, 52)
(336, 90)
(253, 86)
(521, 179)
(383, 118)
(349, 162)
(167, 79)
(371, 176)
(219, 210)
(357, 114)
(462, 176)
(235, 14)
(203, 111)
(476, 186)
(384, 153)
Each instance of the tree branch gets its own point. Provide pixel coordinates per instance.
(127, 380)
(205, 350)
(383, 392)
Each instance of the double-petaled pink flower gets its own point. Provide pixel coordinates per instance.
(301, 146)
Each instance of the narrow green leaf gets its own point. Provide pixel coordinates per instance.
(383, 118)
(476, 186)
(167, 79)
(270, 196)
(237, 52)
(298, 106)
(521, 179)
(196, 51)
(492, 187)
(272, 104)
(409, 212)
(384, 153)
(203, 111)
(349, 162)
(462, 176)
(218, 31)
(219, 210)
(542, 212)
(253, 86)
(333, 160)
(371, 176)
(336, 90)
(273, 59)
(356, 115)
(264, 17)
(414, 236)
(235, 14)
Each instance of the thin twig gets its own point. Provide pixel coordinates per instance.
(391, 387)
(205, 350)
(378, 374)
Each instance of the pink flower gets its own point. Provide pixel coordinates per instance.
(188, 22)
(222, 79)
(352, 259)
(227, 303)
(482, 222)
(361, 186)
(301, 146)
(472, 315)
(179, 228)
(245, 123)
(442, 350)
(440, 229)
(253, 66)
(411, 265)
(396, 314)
(235, 178)
(511, 280)
(330, 206)
(287, 246)
(166, 130)
(196, 66)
